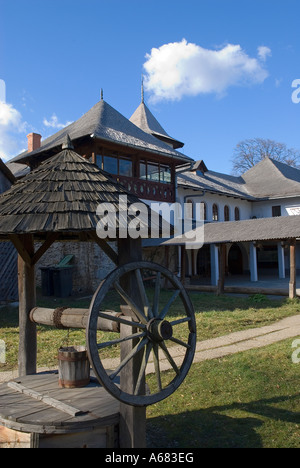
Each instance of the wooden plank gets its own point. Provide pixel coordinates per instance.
(20, 412)
(47, 400)
(96, 438)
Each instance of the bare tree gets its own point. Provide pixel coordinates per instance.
(249, 152)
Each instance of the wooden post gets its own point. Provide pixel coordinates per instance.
(183, 264)
(167, 261)
(132, 418)
(292, 285)
(222, 266)
(27, 301)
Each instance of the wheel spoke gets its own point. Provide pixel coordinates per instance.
(121, 320)
(134, 351)
(179, 321)
(141, 375)
(156, 294)
(169, 357)
(156, 366)
(120, 340)
(144, 297)
(167, 307)
(181, 343)
(140, 315)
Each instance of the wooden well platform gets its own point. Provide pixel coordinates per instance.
(28, 422)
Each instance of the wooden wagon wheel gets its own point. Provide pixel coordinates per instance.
(160, 320)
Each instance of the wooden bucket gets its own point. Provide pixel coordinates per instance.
(73, 367)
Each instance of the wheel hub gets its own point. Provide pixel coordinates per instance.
(159, 330)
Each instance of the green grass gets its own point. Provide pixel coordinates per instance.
(215, 316)
(247, 400)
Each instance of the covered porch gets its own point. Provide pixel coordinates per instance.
(251, 256)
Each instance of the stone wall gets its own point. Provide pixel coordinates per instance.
(91, 264)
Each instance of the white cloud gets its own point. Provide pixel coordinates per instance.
(2, 91)
(54, 122)
(264, 52)
(182, 69)
(10, 123)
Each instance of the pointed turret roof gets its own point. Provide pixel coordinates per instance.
(145, 120)
(103, 122)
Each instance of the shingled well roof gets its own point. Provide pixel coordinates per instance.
(61, 195)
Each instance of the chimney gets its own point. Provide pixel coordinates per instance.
(34, 141)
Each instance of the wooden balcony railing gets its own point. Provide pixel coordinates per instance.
(148, 190)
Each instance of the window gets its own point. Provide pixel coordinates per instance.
(110, 165)
(226, 213)
(276, 211)
(155, 172)
(115, 165)
(215, 212)
(125, 167)
(237, 214)
(165, 174)
(143, 170)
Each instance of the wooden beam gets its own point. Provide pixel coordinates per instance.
(105, 247)
(18, 241)
(132, 418)
(292, 285)
(183, 264)
(27, 301)
(51, 238)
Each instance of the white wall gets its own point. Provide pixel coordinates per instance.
(263, 209)
(220, 200)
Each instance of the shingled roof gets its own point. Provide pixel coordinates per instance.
(103, 122)
(272, 179)
(145, 120)
(61, 195)
(269, 179)
(250, 230)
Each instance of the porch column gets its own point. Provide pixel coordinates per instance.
(222, 267)
(253, 262)
(214, 261)
(281, 263)
(292, 286)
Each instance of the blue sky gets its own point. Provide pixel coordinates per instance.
(236, 61)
